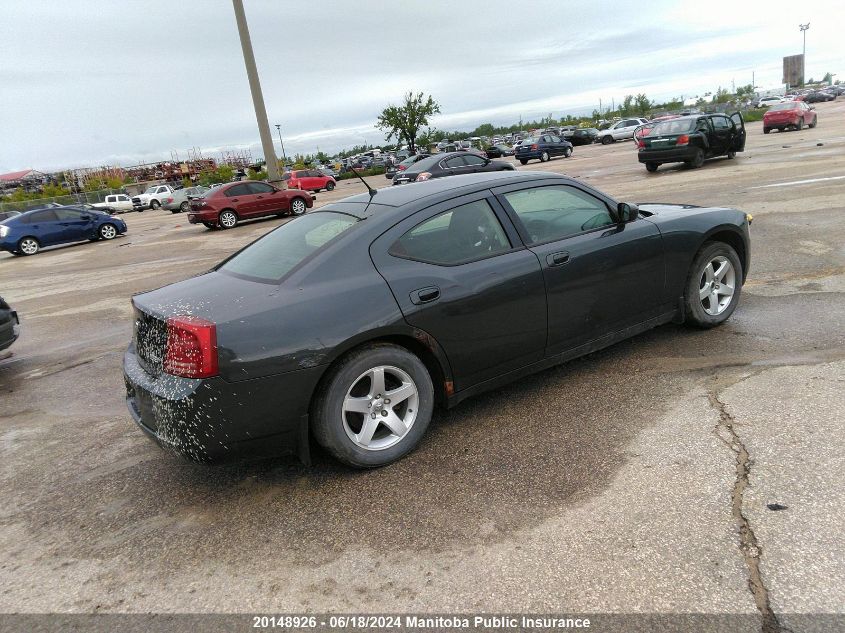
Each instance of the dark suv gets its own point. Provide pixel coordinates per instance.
(691, 140)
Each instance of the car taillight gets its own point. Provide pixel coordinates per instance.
(423, 176)
(534, 146)
(402, 167)
(169, 200)
(683, 139)
(641, 143)
(191, 348)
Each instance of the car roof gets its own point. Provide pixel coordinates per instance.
(397, 196)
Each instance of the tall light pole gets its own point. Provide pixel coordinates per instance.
(279, 130)
(804, 28)
(257, 97)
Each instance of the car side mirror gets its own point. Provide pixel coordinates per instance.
(626, 212)
(85, 217)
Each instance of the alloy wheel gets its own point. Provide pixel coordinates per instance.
(28, 246)
(716, 285)
(380, 408)
(107, 232)
(298, 207)
(228, 219)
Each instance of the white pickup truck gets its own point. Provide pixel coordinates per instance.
(119, 202)
(153, 197)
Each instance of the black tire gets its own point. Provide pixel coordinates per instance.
(781, 129)
(815, 121)
(523, 161)
(544, 157)
(694, 310)
(227, 219)
(766, 130)
(209, 225)
(731, 154)
(107, 231)
(184, 207)
(28, 246)
(800, 125)
(298, 206)
(330, 186)
(155, 204)
(651, 167)
(697, 159)
(567, 152)
(328, 420)
(606, 140)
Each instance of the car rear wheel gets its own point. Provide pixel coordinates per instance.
(298, 206)
(184, 207)
(697, 159)
(155, 204)
(731, 154)
(374, 407)
(329, 186)
(606, 140)
(652, 167)
(523, 161)
(28, 246)
(814, 123)
(544, 157)
(713, 286)
(228, 219)
(108, 231)
(766, 130)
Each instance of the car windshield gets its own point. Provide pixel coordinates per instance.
(530, 140)
(151, 190)
(409, 161)
(278, 252)
(675, 126)
(783, 106)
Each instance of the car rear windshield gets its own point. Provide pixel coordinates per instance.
(677, 126)
(783, 106)
(280, 251)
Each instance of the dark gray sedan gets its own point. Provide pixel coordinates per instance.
(10, 325)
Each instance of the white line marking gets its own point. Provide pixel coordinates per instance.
(798, 182)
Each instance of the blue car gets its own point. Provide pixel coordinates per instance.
(543, 147)
(29, 232)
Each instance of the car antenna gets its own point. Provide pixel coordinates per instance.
(371, 191)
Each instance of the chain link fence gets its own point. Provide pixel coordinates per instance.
(91, 197)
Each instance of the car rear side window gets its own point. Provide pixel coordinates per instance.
(463, 234)
(48, 215)
(557, 212)
(237, 190)
(280, 251)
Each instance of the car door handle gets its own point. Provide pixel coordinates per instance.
(235, 200)
(259, 197)
(425, 295)
(557, 259)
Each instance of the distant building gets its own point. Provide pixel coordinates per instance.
(29, 179)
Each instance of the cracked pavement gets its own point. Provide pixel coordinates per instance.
(639, 479)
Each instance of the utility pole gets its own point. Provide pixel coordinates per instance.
(804, 28)
(279, 130)
(257, 98)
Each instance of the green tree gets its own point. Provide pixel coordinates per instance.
(405, 121)
(114, 183)
(256, 175)
(828, 78)
(627, 106)
(642, 104)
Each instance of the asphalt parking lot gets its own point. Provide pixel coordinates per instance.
(638, 479)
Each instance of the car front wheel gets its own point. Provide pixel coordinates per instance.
(298, 206)
(567, 152)
(28, 246)
(606, 140)
(155, 204)
(713, 286)
(374, 407)
(108, 232)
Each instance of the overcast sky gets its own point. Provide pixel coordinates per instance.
(86, 83)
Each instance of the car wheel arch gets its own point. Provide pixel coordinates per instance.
(732, 237)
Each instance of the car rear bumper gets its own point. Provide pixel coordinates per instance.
(528, 155)
(673, 155)
(211, 419)
(780, 122)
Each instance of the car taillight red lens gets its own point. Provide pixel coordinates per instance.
(683, 139)
(640, 143)
(402, 167)
(169, 200)
(191, 348)
(534, 146)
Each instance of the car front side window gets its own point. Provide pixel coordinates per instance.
(461, 235)
(556, 212)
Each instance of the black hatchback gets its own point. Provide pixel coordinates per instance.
(449, 164)
(690, 139)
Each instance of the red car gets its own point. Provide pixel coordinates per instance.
(309, 180)
(794, 114)
(226, 205)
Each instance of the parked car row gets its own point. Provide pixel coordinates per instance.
(10, 325)
(225, 206)
(448, 164)
(27, 233)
